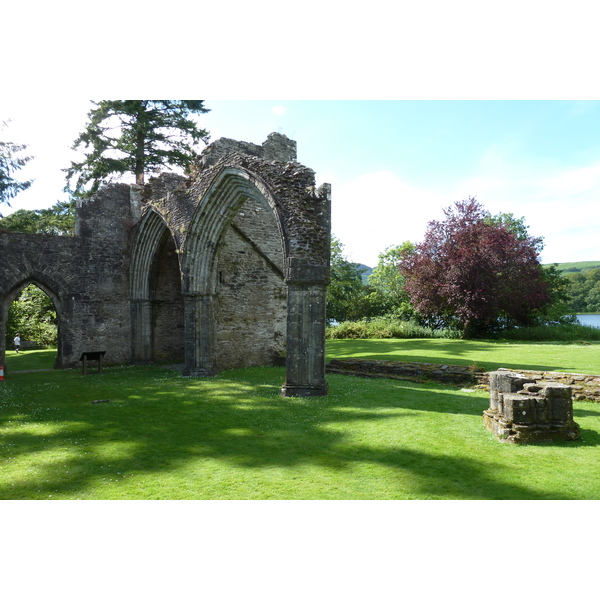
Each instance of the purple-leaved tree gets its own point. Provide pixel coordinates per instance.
(476, 272)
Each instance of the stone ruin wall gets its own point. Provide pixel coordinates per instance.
(584, 387)
(88, 275)
(524, 410)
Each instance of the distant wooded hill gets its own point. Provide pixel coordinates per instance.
(366, 271)
(583, 291)
(577, 267)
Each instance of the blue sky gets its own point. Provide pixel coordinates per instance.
(393, 165)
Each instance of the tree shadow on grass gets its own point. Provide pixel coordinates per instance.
(165, 424)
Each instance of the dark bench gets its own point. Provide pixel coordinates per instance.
(28, 345)
(85, 356)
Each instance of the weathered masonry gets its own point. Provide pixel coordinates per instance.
(225, 268)
(524, 410)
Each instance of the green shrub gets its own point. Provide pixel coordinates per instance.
(385, 328)
(33, 316)
(348, 330)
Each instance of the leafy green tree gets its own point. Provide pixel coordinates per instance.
(387, 281)
(515, 226)
(346, 285)
(135, 136)
(583, 291)
(368, 303)
(11, 160)
(33, 316)
(56, 220)
(558, 309)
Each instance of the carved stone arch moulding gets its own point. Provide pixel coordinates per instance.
(151, 234)
(229, 189)
(45, 283)
(303, 217)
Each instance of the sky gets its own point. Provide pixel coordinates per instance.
(394, 165)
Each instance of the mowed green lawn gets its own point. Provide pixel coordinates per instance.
(163, 436)
(569, 357)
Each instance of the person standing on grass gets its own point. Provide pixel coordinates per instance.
(17, 343)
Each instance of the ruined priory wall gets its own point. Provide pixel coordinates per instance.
(40, 259)
(100, 310)
(251, 293)
(85, 275)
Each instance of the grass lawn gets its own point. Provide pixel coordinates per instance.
(30, 359)
(569, 357)
(163, 436)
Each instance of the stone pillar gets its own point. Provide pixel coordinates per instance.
(305, 361)
(200, 335)
(141, 331)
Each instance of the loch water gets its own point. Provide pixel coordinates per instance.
(592, 320)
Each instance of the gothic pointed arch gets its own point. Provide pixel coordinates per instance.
(230, 188)
(49, 287)
(150, 235)
(154, 260)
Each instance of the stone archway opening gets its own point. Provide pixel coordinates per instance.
(302, 215)
(251, 291)
(157, 302)
(234, 288)
(167, 304)
(33, 314)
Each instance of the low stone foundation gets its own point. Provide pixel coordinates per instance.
(583, 387)
(413, 371)
(524, 410)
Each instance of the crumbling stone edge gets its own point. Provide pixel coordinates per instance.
(585, 388)
(524, 410)
(412, 371)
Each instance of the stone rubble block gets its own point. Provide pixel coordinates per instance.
(523, 410)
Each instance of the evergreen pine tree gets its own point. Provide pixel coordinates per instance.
(134, 136)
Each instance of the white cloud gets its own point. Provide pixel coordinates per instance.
(558, 203)
(378, 210)
(279, 110)
(49, 133)
(574, 181)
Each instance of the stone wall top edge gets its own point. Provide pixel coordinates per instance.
(546, 372)
(36, 236)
